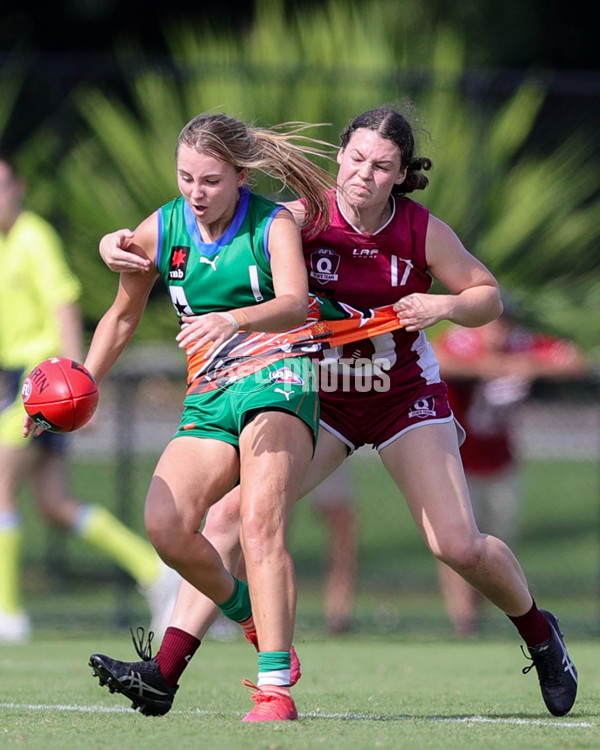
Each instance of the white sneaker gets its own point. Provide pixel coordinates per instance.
(161, 596)
(14, 628)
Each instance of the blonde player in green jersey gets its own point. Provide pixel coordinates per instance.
(233, 260)
(39, 318)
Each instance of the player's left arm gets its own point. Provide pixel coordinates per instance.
(290, 279)
(474, 297)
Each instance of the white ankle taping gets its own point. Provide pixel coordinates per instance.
(276, 677)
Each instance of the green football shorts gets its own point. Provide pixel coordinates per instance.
(289, 384)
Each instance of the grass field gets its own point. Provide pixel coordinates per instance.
(398, 681)
(355, 693)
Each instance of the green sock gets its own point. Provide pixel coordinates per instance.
(10, 548)
(238, 607)
(269, 661)
(132, 553)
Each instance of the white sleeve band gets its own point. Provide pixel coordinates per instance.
(232, 320)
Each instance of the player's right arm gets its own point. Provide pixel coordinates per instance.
(119, 323)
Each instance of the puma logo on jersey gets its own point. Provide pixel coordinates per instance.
(209, 262)
(287, 394)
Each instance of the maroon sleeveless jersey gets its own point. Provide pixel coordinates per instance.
(370, 270)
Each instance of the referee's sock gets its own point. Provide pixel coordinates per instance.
(10, 557)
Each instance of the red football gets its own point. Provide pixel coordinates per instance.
(60, 395)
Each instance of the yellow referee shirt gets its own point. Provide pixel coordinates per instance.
(35, 281)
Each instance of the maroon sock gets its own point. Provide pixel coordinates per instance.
(532, 626)
(175, 653)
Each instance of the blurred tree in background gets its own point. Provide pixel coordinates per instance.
(504, 99)
(523, 197)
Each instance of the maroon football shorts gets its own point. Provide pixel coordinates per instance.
(377, 419)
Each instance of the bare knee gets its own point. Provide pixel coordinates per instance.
(262, 536)
(463, 555)
(223, 518)
(167, 532)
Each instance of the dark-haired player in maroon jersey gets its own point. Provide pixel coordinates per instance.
(380, 248)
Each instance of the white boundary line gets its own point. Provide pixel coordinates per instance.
(351, 716)
(454, 719)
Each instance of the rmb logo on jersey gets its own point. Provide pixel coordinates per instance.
(179, 261)
(285, 375)
(324, 264)
(423, 408)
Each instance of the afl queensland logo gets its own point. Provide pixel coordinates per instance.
(285, 375)
(324, 264)
(423, 408)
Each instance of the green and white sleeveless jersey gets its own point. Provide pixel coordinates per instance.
(232, 272)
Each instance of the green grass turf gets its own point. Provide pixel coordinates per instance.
(397, 682)
(354, 694)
